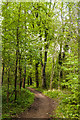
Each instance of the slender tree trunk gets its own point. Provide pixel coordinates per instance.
(44, 74)
(60, 71)
(52, 74)
(24, 77)
(45, 57)
(30, 80)
(41, 62)
(17, 54)
(8, 86)
(20, 71)
(16, 68)
(3, 66)
(45, 61)
(37, 80)
(3, 61)
(60, 57)
(16, 72)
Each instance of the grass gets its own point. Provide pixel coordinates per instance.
(52, 93)
(23, 102)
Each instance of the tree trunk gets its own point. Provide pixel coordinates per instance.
(3, 72)
(41, 62)
(20, 71)
(43, 72)
(16, 72)
(17, 53)
(52, 74)
(24, 77)
(8, 86)
(37, 80)
(45, 60)
(60, 71)
(30, 80)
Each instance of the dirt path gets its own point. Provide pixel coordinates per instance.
(42, 107)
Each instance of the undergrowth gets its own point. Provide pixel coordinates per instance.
(12, 109)
(67, 108)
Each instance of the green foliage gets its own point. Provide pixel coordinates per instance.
(68, 108)
(24, 100)
(52, 94)
(29, 32)
(69, 105)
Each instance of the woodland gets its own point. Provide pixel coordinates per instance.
(41, 50)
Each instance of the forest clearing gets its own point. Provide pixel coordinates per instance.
(40, 60)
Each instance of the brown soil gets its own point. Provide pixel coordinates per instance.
(42, 107)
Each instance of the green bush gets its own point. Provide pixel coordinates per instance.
(52, 94)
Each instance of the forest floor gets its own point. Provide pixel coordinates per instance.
(43, 106)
